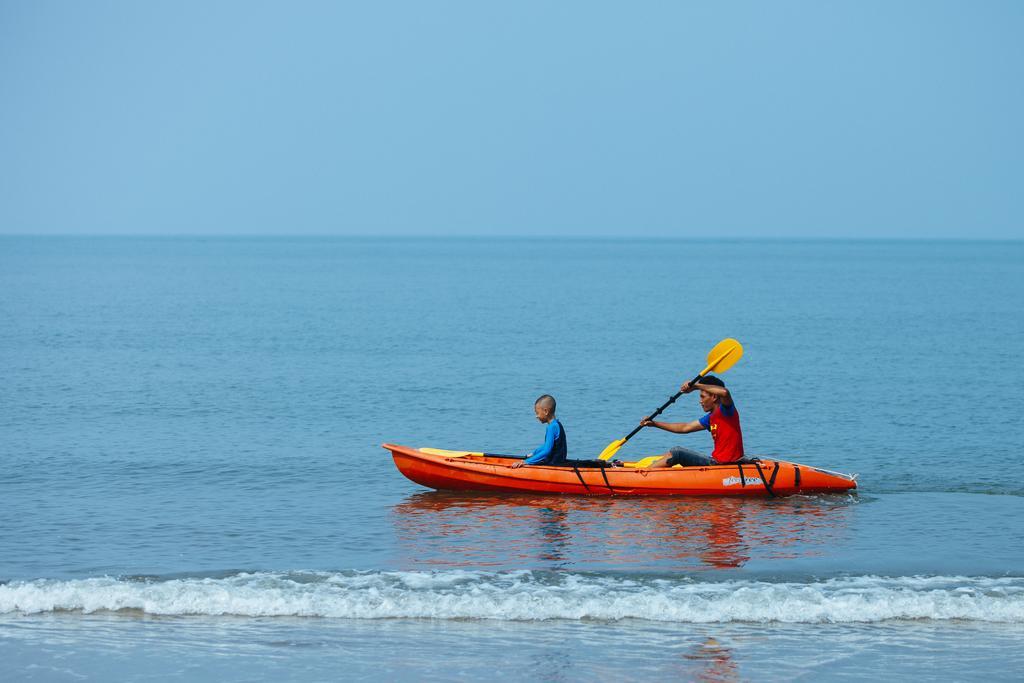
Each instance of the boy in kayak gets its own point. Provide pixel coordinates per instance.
(722, 420)
(554, 450)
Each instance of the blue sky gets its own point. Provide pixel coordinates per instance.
(718, 119)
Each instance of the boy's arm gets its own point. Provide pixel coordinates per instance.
(714, 390)
(541, 453)
(674, 427)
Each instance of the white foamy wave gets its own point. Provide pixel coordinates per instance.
(527, 596)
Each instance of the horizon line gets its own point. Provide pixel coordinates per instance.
(578, 238)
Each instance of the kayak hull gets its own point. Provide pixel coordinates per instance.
(460, 471)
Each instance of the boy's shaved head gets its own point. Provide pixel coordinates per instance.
(547, 401)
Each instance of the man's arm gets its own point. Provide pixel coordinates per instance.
(714, 390)
(674, 427)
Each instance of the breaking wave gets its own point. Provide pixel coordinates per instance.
(529, 596)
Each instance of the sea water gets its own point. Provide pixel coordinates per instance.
(193, 485)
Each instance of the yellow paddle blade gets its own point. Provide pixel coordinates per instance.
(447, 454)
(723, 356)
(611, 449)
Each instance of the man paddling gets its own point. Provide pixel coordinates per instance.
(722, 420)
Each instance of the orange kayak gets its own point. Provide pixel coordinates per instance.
(471, 471)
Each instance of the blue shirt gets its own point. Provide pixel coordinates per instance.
(548, 453)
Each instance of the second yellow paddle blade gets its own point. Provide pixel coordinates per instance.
(724, 355)
(611, 449)
(644, 462)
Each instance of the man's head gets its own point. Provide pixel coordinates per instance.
(709, 401)
(544, 408)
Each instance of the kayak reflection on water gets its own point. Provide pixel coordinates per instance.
(717, 661)
(453, 530)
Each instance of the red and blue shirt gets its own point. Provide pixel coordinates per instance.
(724, 424)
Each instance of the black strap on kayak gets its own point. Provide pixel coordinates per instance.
(743, 480)
(580, 477)
(796, 476)
(764, 480)
(603, 474)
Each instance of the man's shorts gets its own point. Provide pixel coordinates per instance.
(688, 458)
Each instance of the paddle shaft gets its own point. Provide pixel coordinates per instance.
(664, 405)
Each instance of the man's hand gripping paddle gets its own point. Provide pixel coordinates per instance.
(721, 358)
